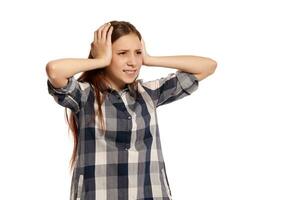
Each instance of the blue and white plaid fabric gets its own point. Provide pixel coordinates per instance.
(125, 163)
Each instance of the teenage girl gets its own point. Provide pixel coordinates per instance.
(117, 151)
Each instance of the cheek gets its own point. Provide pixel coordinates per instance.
(117, 67)
(141, 63)
(115, 60)
(118, 63)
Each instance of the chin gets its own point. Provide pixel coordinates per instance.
(130, 80)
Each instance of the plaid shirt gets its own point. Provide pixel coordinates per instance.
(125, 163)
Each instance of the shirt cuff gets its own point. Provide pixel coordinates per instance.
(66, 89)
(188, 81)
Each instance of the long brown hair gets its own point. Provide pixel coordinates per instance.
(97, 79)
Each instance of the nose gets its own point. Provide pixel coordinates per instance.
(132, 60)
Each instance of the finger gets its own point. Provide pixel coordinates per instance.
(143, 43)
(95, 36)
(99, 31)
(143, 46)
(104, 32)
(108, 39)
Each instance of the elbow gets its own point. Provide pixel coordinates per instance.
(50, 70)
(210, 68)
(213, 66)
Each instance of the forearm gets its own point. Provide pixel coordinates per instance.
(191, 64)
(68, 67)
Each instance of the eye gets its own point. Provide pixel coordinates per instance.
(121, 53)
(139, 52)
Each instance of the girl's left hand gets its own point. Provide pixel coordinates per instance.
(144, 53)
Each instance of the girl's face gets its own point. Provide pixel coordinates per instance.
(126, 61)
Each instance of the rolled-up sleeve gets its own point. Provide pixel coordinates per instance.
(173, 87)
(73, 96)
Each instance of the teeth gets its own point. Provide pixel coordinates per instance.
(131, 71)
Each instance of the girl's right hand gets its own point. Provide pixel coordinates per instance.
(101, 47)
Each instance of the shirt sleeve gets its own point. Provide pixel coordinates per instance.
(173, 87)
(73, 96)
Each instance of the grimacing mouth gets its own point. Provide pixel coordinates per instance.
(129, 70)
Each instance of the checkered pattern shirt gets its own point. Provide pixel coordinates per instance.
(125, 163)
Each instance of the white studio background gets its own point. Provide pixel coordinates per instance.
(237, 137)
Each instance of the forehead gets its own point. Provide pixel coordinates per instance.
(130, 41)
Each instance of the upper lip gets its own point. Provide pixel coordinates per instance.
(130, 69)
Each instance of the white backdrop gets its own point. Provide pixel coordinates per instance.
(237, 137)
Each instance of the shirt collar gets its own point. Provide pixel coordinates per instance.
(128, 88)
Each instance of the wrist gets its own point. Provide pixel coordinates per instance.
(148, 60)
(101, 63)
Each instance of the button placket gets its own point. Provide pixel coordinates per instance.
(126, 148)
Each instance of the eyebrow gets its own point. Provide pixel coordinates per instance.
(127, 49)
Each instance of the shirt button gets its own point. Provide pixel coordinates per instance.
(129, 117)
